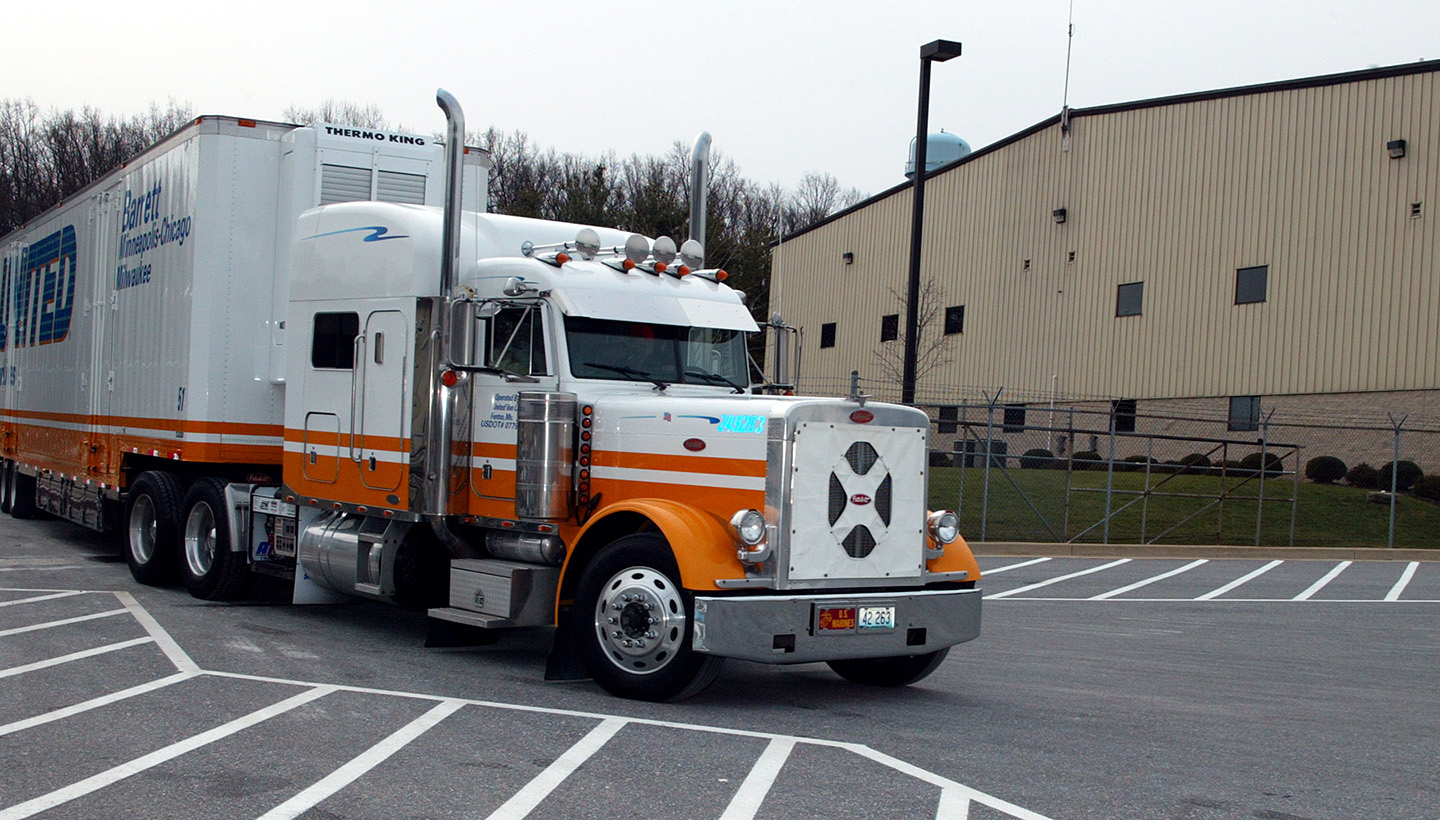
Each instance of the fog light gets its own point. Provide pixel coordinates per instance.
(749, 526)
(944, 526)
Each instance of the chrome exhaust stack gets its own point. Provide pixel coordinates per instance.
(699, 185)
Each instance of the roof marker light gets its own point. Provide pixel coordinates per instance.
(664, 250)
(692, 254)
(587, 243)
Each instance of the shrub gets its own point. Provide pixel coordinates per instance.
(1427, 487)
(1325, 469)
(940, 458)
(1087, 460)
(1364, 476)
(1036, 458)
(1250, 464)
(1195, 463)
(1405, 472)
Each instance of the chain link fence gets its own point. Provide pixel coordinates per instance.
(1089, 469)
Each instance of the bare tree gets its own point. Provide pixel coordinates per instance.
(931, 349)
(340, 112)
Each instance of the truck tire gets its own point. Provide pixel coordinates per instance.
(635, 623)
(208, 567)
(152, 523)
(7, 486)
(22, 499)
(900, 671)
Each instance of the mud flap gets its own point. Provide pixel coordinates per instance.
(563, 663)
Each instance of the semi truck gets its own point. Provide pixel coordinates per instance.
(308, 352)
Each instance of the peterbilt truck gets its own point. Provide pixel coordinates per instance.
(504, 422)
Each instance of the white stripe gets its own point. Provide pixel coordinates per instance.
(734, 482)
(162, 638)
(1019, 590)
(1394, 594)
(536, 790)
(954, 805)
(96, 782)
(342, 451)
(73, 656)
(42, 598)
(751, 794)
(52, 624)
(1138, 584)
(1009, 567)
(1320, 584)
(39, 569)
(504, 465)
(103, 700)
(369, 759)
(945, 783)
(1244, 579)
(153, 433)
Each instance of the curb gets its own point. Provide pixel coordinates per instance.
(1056, 550)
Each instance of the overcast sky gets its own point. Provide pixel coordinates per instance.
(785, 88)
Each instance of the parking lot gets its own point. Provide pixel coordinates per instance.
(1099, 688)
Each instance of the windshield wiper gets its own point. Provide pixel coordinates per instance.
(713, 378)
(629, 371)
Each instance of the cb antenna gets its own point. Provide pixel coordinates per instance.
(1065, 100)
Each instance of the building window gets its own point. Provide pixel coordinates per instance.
(827, 335)
(889, 327)
(1014, 418)
(332, 346)
(1250, 284)
(949, 415)
(1129, 298)
(954, 319)
(1244, 413)
(1122, 415)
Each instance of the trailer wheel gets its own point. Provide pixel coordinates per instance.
(636, 622)
(152, 521)
(901, 671)
(209, 568)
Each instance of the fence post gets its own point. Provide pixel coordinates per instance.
(964, 429)
(1394, 475)
(1110, 475)
(1264, 471)
(989, 437)
(1069, 472)
(1145, 504)
(1295, 496)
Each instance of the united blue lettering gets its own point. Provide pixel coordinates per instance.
(39, 292)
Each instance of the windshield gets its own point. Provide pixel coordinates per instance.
(664, 354)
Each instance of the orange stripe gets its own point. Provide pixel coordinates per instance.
(175, 425)
(750, 467)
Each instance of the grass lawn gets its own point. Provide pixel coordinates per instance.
(1326, 515)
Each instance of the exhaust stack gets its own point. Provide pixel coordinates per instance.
(454, 169)
(699, 185)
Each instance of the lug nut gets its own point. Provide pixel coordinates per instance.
(627, 643)
(614, 621)
(654, 621)
(651, 635)
(649, 607)
(639, 644)
(615, 634)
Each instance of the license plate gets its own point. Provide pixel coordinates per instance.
(875, 617)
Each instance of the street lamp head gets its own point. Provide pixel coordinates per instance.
(940, 51)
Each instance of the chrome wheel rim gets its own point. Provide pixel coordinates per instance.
(640, 620)
(142, 529)
(200, 540)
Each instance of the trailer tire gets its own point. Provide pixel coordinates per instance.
(899, 671)
(152, 522)
(208, 567)
(633, 581)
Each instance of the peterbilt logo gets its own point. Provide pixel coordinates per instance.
(859, 498)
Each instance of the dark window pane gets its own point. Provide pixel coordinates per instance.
(1250, 284)
(333, 344)
(1014, 418)
(889, 327)
(1244, 413)
(949, 414)
(1129, 299)
(1122, 415)
(827, 334)
(954, 319)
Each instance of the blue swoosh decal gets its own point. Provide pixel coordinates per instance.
(377, 234)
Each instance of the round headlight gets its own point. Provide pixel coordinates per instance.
(749, 526)
(944, 526)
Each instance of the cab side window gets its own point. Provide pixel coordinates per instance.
(332, 344)
(516, 341)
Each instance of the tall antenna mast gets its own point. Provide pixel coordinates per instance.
(1065, 101)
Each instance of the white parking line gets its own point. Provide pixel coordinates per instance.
(73, 656)
(1138, 584)
(66, 622)
(1238, 582)
(1394, 593)
(110, 776)
(954, 805)
(39, 598)
(39, 569)
(524, 801)
(103, 700)
(1009, 567)
(1007, 593)
(1320, 584)
(751, 794)
(162, 638)
(369, 759)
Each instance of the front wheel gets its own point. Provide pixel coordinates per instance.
(636, 623)
(209, 568)
(901, 671)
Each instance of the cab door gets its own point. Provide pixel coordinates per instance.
(378, 445)
(513, 339)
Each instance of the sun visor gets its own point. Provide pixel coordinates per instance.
(659, 309)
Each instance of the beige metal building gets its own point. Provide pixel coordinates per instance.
(1274, 244)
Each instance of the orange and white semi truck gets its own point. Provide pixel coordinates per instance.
(308, 352)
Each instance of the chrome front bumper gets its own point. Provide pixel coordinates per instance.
(784, 629)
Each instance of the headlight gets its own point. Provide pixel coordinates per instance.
(944, 526)
(749, 526)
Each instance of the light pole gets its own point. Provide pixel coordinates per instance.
(936, 52)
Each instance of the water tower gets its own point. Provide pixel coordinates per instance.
(940, 149)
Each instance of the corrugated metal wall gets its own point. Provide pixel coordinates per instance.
(1176, 195)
